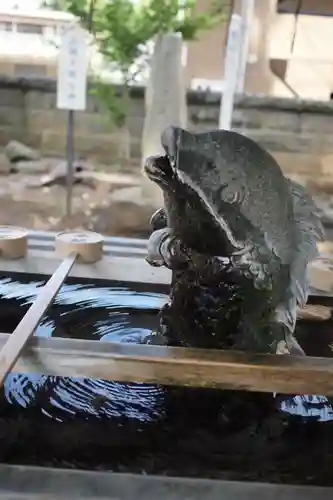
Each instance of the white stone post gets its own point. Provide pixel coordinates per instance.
(231, 69)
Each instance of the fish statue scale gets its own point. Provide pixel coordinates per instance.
(238, 236)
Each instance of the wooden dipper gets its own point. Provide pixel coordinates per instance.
(13, 242)
(87, 245)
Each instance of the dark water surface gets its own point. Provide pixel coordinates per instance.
(118, 314)
(86, 423)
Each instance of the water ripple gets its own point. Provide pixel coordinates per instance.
(116, 314)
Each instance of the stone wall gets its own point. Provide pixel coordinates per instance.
(298, 133)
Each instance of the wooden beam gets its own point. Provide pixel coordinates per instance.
(312, 312)
(176, 366)
(127, 268)
(119, 241)
(109, 250)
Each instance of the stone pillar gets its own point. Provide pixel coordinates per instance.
(206, 54)
(259, 77)
(165, 103)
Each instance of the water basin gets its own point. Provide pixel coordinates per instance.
(95, 424)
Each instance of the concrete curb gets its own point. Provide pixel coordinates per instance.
(21, 482)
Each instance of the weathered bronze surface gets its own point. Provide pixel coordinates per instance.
(238, 237)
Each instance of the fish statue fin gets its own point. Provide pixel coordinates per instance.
(309, 231)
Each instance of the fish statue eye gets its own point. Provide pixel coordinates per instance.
(232, 196)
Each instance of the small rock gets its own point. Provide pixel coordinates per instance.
(32, 167)
(16, 151)
(324, 208)
(5, 166)
(123, 219)
(128, 194)
(324, 185)
(58, 174)
(327, 217)
(300, 178)
(327, 165)
(110, 180)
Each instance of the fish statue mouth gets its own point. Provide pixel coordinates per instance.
(162, 171)
(159, 170)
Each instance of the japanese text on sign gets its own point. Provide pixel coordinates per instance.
(72, 70)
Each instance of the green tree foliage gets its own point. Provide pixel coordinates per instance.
(122, 30)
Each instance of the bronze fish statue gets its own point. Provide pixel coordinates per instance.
(238, 236)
